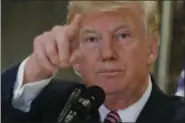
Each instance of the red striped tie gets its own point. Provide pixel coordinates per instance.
(112, 117)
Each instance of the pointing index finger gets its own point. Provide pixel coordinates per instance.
(74, 26)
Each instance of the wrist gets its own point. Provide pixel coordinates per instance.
(35, 72)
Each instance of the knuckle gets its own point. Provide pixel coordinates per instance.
(47, 33)
(51, 51)
(56, 28)
(59, 30)
(38, 39)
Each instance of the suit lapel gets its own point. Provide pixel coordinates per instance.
(93, 117)
(157, 108)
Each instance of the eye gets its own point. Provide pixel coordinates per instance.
(92, 39)
(122, 36)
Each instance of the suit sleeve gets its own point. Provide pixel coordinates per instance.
(44, 108)
(9, 113)
(8, 78)
(23, 95)
(179, 111)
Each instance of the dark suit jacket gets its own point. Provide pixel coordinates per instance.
(160, 107)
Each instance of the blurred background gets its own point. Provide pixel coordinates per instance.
(22, 20)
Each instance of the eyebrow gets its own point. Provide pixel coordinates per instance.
(88, 30)
(120, 26)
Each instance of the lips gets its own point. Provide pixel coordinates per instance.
(110, 72)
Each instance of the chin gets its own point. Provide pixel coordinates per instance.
(110, 89)
(109, 86)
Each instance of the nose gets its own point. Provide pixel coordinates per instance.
(108, 50)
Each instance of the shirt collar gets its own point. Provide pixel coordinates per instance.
(131, 113)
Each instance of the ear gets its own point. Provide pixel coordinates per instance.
(153, 48)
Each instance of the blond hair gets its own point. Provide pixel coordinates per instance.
(86, 7)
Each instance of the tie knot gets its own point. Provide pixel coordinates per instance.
(112, 117)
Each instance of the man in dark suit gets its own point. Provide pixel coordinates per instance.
(110, 44)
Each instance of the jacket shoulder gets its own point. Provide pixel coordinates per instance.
(177, 101)
(178, 104)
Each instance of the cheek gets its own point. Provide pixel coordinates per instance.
(88, 61)
(87, 67)
(134, 55)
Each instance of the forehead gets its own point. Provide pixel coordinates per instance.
(128, 16)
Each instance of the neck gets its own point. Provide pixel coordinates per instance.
(129, 96)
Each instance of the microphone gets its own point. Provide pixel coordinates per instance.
(73, 97)
(90, 99)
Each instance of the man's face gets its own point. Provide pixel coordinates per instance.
(115, 50)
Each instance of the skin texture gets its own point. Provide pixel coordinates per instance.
(116, 55)
(114, 52)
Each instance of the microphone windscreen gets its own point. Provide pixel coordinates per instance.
(96, 95)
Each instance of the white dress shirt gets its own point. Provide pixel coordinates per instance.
(23, 96)
(131, 113)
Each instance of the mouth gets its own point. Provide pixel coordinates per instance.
(110, 72)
